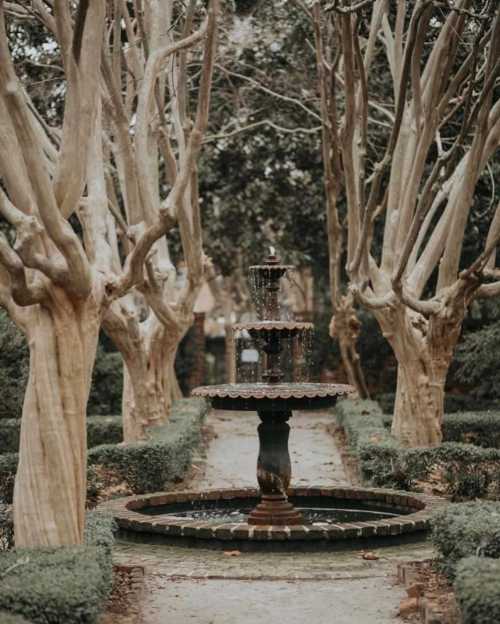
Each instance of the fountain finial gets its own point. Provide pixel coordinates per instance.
(272, 258)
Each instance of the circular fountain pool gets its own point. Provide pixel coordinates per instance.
(330, 515)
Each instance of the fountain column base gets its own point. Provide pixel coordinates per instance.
(274, 472)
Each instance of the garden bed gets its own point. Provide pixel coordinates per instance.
(137, 468)
(456, 469)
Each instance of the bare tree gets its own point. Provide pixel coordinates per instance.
(57, 283)
(444, 127)
(150, 86)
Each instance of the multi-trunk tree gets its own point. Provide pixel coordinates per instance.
(415, 191)
(63, 267)
(150, 77)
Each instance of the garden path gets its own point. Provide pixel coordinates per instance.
(209, 587)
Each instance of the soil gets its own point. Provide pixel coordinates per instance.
(123, 606)
(432, 587)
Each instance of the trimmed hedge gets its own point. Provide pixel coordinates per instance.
(478, 428)
(164, 458)
(477, 589)
(144, 466)
(467, 471)
(452, 403)
(9, 618)
(466, 529)
(100, 430)
(8, 469)
(55, 585)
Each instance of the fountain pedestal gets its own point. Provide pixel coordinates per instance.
(274, 471)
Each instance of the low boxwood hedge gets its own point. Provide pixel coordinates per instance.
(477, 589)
(100, 430)
(10, 618)
(144, 466)
(164, 457)
(8, 469)
(478, 428)
(466, 470)
(55, 585)
(466, 529)
(452, 403)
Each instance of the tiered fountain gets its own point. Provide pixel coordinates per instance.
(272, 399)
(277, 513)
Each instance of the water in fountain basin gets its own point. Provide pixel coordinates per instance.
(313, 512)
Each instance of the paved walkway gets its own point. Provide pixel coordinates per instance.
(211, 587)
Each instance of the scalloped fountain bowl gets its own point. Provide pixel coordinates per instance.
(333, 517)
(274, 397)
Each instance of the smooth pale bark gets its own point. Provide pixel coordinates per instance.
(50, 487)
(150, 384)
(424, 349)
(345, 327)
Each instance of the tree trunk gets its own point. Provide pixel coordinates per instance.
(424, 349)
(50, 487)
(419, 405)
(150, 384)
(345, 327)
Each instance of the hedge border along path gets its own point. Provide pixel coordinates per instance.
(468, 470)
(145, 466)
(54, 585)
(100, 430)
(477, 590)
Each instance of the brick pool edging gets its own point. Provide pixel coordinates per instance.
(126, 512)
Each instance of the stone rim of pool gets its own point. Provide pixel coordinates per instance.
(137, 514)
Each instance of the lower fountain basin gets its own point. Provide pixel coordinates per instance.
(217, 518)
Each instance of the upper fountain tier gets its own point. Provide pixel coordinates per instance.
(272, 395)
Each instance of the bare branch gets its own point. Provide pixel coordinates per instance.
(22, 293)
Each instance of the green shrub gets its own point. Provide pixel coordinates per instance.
(467, 471)
(164, 458)
(479, 428)
(8, 469)
(144, 466)
(55, 585)
(477, 364)
(103, 430)
(452, 403)
(466, 529)
(10, 430)
(100, 430)
(6, 527)
(107, 384)
(107, 377)
(477, 589)
(14, 365)
(10, 618)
